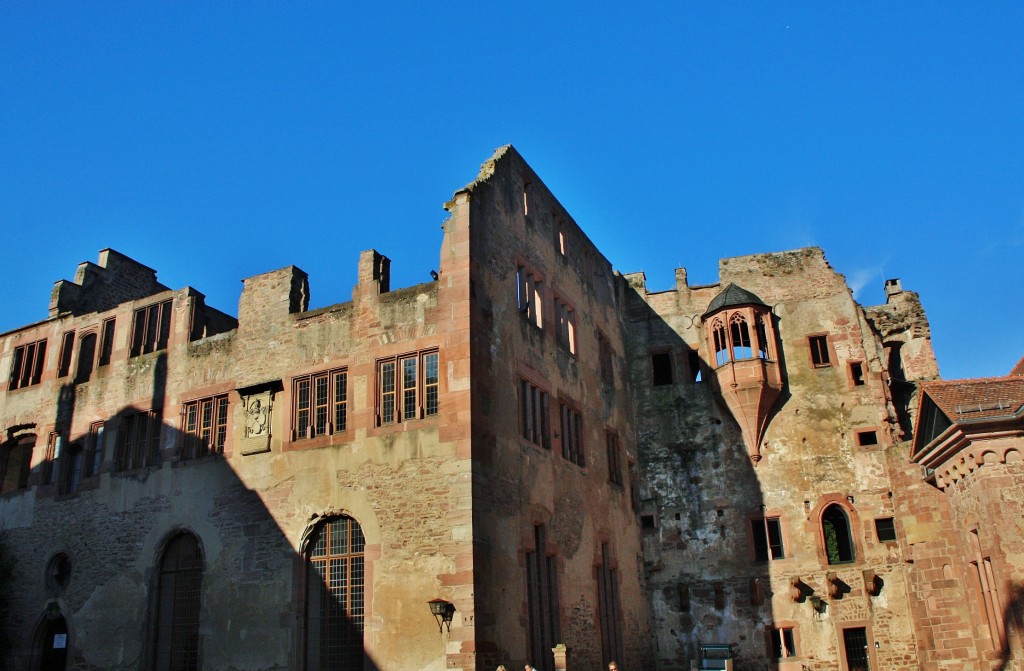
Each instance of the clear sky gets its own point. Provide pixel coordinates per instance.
(217, 140)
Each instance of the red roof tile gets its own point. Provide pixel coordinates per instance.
(977, 399)
(1019, 368)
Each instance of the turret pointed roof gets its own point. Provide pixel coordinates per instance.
(733, 295)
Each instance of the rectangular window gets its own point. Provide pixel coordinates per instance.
(408, 387)
(528, 294)
(767, 534)
(151, 327)
(27, 368)
(857, 373)
(783, 643)
(661, 368)
(106, 341)
(614, 458)
(572, 434)
(320, 404)
(866, 438)
(67, 346)
(542, 600)
(15, 464)
(138, 442)
(885, 529)
(204, 425)
(566, 319)
(609, 609)
(855, 644)
(73, 463)
(819, 351)
(533, 414)
(94, 458)
(693, 359)
(53, 447)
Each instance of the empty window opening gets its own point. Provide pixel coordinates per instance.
(661, 368)
(783, 645)
(95, 456)
(27, 368)
(566, 320)
(526, 198)
(67, 344)
(529, 297)
(648, 521)
(762, 338)
(572, 435)
(740, 335)
(106, 341)
(604, 349)
(533, 414)
(719, 595)
(609, 610)
(857, 373)
(835, 529)
(721, 344)
(15, 464)
(819, 351)
(855, 643)
(86, 357)
(866, 438)
(693, 363)
(885, 529)
(151, 327)
(767, 533)
(614, 458)
(542, 600)
(561, 241)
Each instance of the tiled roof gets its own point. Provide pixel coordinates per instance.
(982, 398)
(1018, 370)
(731, 296)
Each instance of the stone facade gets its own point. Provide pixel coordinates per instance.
(537, 444)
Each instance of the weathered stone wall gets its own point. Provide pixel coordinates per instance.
(515, 221)
(701, 492)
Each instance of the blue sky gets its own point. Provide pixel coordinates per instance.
(217, 140)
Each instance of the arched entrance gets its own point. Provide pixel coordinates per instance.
(52, 644)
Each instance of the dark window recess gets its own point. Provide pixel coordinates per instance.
(67, 344)
(719, 595)
(73, 461)
(176, 644)
(819, 351)
(661, 368)
(855, 641)
(614, 459)
(605, 358)
(15, 462)
(857, 373)
(106, 341)
(767, 532)
(572, 435)
(835, 529)
(885, 529)
(86, 356)
(151, 327)
(648, 521)
(533, 414)
(865, 438)
(542, 601)
(609, 610)
(138, 441)
(27, 368)
(693, 360)
(683, 591)
(783, 645)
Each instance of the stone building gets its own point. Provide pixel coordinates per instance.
(530, 451)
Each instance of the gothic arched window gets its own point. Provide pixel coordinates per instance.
(740, 337)
(721, 344)
(335, 596)
(176, 636)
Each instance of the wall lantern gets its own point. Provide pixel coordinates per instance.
(443, 611)
(818, 604)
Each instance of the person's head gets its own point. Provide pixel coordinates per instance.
(501, 668)
(612, 666)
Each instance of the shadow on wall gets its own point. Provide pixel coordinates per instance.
(708, 538)
(214, 552)
(1013, 617)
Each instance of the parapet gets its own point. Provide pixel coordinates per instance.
(98, 287)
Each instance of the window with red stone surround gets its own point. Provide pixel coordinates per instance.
(534, 411)
(151, 328)
(106, 341)
(320, 404)
(178, 605)
(67, 346)
(572, 433)
(782, 640)
(767, 539)
(204, 426)
(27, 367)
(529, 295)
(138, 440)
(565, 321)
(408, 387)
(820, 350)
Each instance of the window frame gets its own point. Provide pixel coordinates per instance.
(151, 328)
(27, 365)
(135, 451)
(177, 604)
(572, 432)
(530, 294)
(66, 354)
(762, 524)
(614, 449)
(204, 427)
(778, 633)
(819, 348)
(335, 409)
(409, 401)
(565, 324)
(534, 403)
(850, 535)
(106, 348)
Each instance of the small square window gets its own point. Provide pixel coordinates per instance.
(866, 438)
(661, 368)
(885, 529)
(857, 373)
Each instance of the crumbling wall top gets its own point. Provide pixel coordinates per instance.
(98, 287)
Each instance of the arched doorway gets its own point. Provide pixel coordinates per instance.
(52, 643)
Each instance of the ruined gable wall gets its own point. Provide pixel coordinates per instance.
(519, 484)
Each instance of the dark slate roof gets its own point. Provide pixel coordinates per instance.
(732, 296)
(983, 398)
